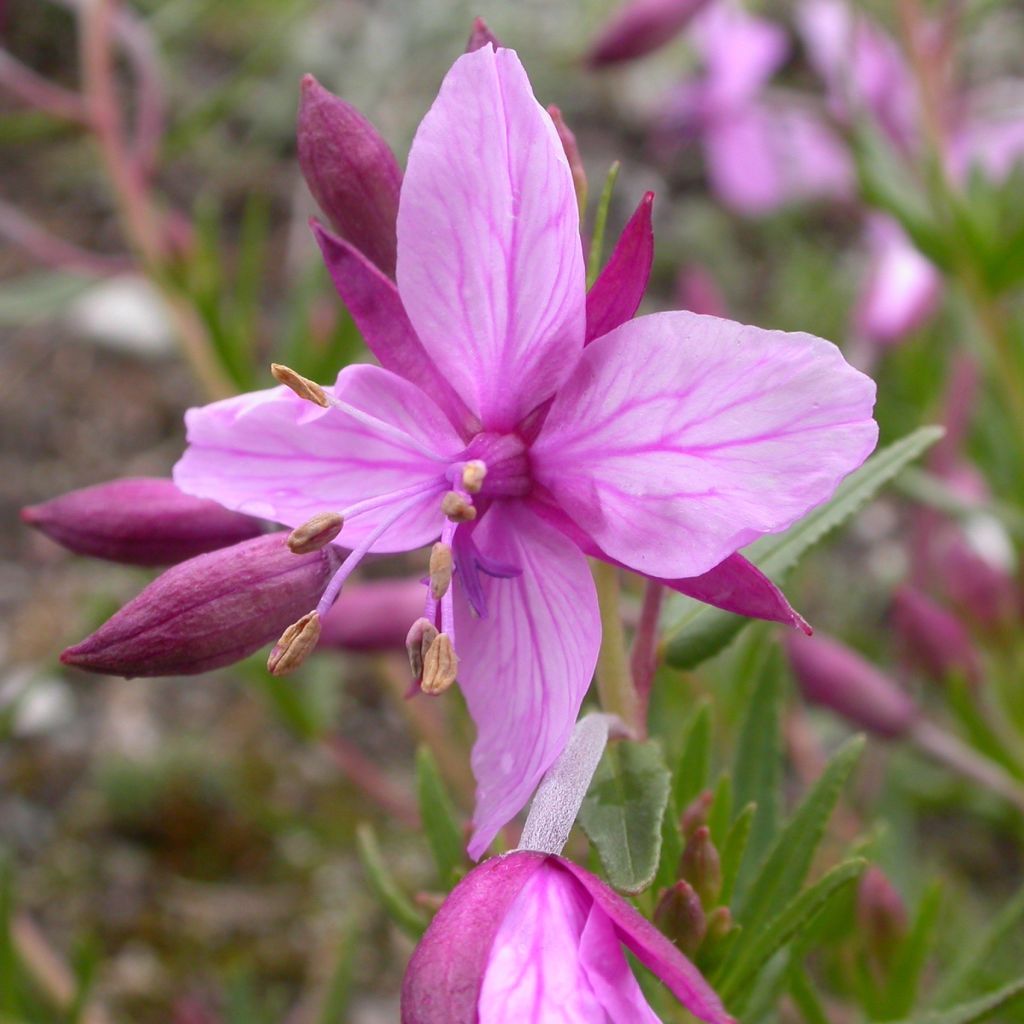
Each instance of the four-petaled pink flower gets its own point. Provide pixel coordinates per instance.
(663, 445)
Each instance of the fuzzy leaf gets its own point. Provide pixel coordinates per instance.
(702, 631)
(623, 811)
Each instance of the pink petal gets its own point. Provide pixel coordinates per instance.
(276, 456)
(524, 669)
(652, 949)
(902, 289)
(681, 438)
(615, 295)
(373, 301)
(490, 266)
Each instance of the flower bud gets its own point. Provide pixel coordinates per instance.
(881, 913)
(139, 521)
(572, 153)
(209, 611)
(696, 814)
(701, 866)
(935, 639)
(983, 591)
(373, 615)
(641, 27)
(835, 677)
(534, 937)
(481, 35)
(680, 915)
(351, 172)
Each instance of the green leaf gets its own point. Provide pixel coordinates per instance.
(789, 859)
(623, 811)
(757, 773)
(671, 847)
(694, 767)
(394, 901)
(909, 962)
(751, 955)
(600, 224)
(977, 1009)
(733, 849)
(440, 821)
(702, 631)
(720, 811)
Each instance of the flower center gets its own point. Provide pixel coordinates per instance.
(508, 464)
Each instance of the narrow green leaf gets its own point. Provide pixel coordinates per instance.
(623, 811)
(335, 1005)
(801, 988)
(694, 767)
(8, 961)
(600, 224)
(671, 847)
(394, 901)
(789, 859)
(720, 811)
(757, 773)
(702, 631)
(905, 975)
(733, 849)
(439, 818)
(977, 1009)
(750, 956)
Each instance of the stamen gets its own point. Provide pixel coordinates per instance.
(473, 474)
(295, 645)
(302, 386)
(421, 636)
(441, 568)
(458, 507)
(369, 504)
(440, 666)
(315, 534)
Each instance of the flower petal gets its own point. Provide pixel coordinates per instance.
(681, 438)
(490, 265)
(525, 668)
(652, 949)
(615, 296)
(276, 456)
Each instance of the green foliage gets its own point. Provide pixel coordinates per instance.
(398, 906)
(439, 818)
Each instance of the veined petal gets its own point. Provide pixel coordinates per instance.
(273, 455)
(525, 668)
(490, 265)
(681, 438)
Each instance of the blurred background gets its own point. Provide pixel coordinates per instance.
(190, 849)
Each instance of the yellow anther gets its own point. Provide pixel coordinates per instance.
(315, 534)
(457, 507)
(440, 665)
(302, 386)
(473, 474)
(295, 645)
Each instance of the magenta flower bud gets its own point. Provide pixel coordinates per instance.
(210, 611)
(680, 915)
(701, 866)
(696, 813)
(532, 937)
(835, 677)
(640, 28)
(481, 35)
(934, 638)
(881, 912)
(373, 616)
(139, 521)
(985, 593)
(351, 172)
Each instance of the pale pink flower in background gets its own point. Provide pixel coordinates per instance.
(663, 443)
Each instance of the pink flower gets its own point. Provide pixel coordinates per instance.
(641, 27)
(530, 938)
(664, 445)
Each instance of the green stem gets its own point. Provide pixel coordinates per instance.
(615, 688)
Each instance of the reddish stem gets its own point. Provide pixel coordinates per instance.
(643, 660)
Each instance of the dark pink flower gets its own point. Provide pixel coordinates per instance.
(641, 27)
(663, 445)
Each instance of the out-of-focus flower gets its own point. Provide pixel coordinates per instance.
(373, 615)
(832, 675)
(210, 611)
(881, 912)
(530, 938)
(640, 28)
(501, 430)
(763, 148)
(139, 521)
(934, 638)
(697, 291)
(351, 172)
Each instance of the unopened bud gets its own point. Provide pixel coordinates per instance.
(139, 521)
(481, 35)
(372, 615)
(302, 386)
(881, 913)
(351, 172)
(572, 154)
(458, 508)
(720, 923)
(318, 532)
(835, 677)
(701, 866)
(440, 665)
(935, 639)
(981, 589)
(296, 644)
(680, 915)
(641, 27)
(210, 611)
(440, 570)
(696, 814)
(421, 636)
(473, 474)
